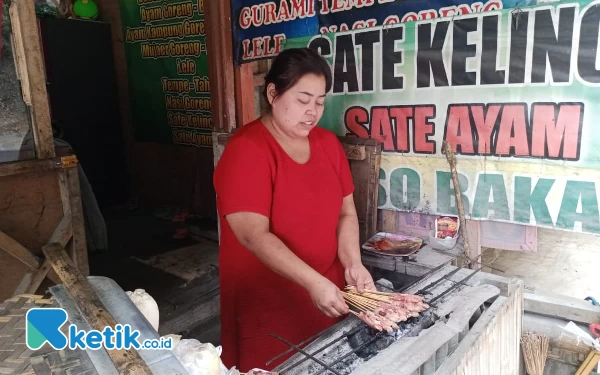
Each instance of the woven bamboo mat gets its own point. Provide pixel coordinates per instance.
(16, 358)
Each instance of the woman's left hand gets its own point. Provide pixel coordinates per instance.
(358, 276)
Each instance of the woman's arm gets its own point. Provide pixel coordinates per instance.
(347, 233)
(349, 247)
(252, 230)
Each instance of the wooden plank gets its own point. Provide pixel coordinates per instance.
(217, 17)
(355, 152)
(38, 277)
(62, 235)
(259, 79)
(244, 95)
(18, 251)
(364, 156)
(33, 77)
(389, 221)
(21, 253)
(92, 309)
(29, 167)
(24, 284)
(73, 210)
(63, 232)
(19, 55)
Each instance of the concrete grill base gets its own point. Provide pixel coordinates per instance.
(441, 341)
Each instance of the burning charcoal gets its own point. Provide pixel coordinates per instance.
(385, 341)
(360, 338)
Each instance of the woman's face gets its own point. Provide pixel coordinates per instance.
(300, 108)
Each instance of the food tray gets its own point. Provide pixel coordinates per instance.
(393, 244)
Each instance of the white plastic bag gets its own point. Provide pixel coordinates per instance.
(147, 306)
(231, 371)
(198, 358)
(175, 339)
(582, 335)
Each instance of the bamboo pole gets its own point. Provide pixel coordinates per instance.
(92, 309)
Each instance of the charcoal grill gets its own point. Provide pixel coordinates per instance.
(472, 327)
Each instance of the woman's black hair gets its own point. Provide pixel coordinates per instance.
(293, 64)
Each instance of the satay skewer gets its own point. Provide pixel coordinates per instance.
(353, 288)
(359, 297)
(388, 295)
(370, 304)
(357, 306)
(360, 304)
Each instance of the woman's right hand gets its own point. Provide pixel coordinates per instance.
(328, 298)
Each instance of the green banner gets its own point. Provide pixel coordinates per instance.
(515, 93)
(165, 45)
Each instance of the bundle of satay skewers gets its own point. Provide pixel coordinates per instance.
(384, 310)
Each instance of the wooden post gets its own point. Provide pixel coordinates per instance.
(474, 232)
(389, 221)
(71, 199)
(364, 156)
(244, 94)
(31, 73)
(92, 309)
(447, 149)
(217, 17)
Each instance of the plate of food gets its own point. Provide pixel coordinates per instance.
(393, 244)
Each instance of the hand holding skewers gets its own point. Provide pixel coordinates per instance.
(327, 297)
(383, 311)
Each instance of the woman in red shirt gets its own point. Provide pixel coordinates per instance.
(289, 230)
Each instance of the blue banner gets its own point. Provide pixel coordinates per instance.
(260, 28)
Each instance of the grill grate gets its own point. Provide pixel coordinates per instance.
(411, 327)
(324, 347)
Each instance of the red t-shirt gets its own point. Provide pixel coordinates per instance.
(303, 203)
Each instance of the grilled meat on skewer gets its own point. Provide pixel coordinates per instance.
(370, 322)
(409, 306)
(384, 322)
(406, 298)
(392, 314)
(377, 322)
